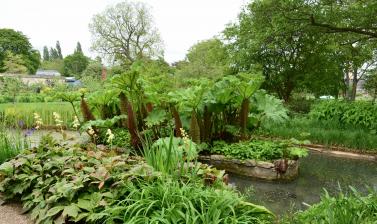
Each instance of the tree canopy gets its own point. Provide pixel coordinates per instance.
(125, 33)
(207, 58)
(291, 43)
(18, 44)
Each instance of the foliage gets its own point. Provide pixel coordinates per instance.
(125, 32)
(174, 202)
(58, 185)
(358, 114)
(259, 150)
(311, 45)
(75, 64)
(14, 64)
(46, 54)
(21, 114)
(59, 50)
(93, 70)
(205, 59)
(57, 64)
(267, 108)
(371, 85)
(341, 209)
(18, 44)
(326, 132)
(122, 138)
(11, 144)
(11, 86)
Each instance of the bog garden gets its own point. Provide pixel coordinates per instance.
(266, 126)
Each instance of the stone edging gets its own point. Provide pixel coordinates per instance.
(253, 168)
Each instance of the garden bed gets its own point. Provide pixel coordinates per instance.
(253, 168)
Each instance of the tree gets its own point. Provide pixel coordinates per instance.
(75, 64)
(59, 50)
(205, 59)
(46, 54)
(93, 70)
(18, 44)
(264, 38)
(14, 64)
(294, 53)
(78, 48)
(125, 33)
(53, 54)
(343, 17)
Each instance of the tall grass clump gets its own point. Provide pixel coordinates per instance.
(171, 155)
(21, 114)
(170, 201)
(11, 144)
(343, 209)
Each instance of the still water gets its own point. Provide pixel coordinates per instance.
(317, 172)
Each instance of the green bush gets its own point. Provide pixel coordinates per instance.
(357, 114)
(344, 209)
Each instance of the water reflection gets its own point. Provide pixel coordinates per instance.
(318, 171)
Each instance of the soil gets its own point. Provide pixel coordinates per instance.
(11, 213)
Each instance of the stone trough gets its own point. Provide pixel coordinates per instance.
(253, 168)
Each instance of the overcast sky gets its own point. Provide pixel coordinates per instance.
(181, 23)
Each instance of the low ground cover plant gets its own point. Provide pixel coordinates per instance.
(342, 209)
(259, 150)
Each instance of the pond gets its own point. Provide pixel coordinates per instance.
(317, 172)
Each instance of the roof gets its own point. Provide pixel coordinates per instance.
(47, 73)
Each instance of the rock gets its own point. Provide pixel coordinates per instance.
(252, 168)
